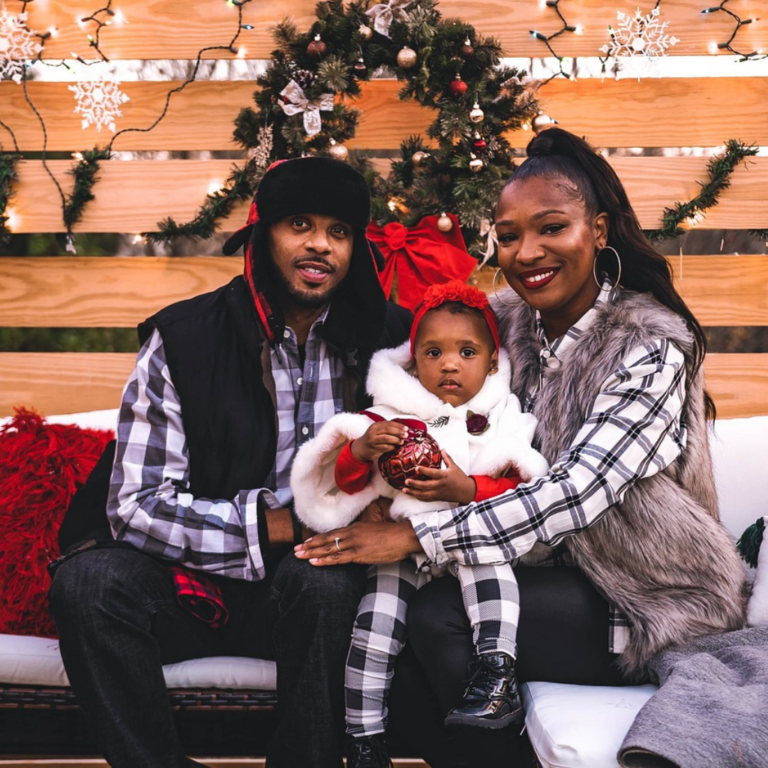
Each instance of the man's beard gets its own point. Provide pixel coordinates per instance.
(305, 299)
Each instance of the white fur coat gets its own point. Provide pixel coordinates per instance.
(397, 393)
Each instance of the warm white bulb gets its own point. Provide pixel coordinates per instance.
(241, 52)
(13, 219)
(137, 239)
(579, 30)
(53, 32)
(712, 48)
(120, 18)
(214, 187)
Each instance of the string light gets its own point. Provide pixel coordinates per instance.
(93, 40)
(547, 39)
(727, 46)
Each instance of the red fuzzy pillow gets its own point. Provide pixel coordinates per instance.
(41, 467)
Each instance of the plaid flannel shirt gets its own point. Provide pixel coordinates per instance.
(150, 505)
(633, 431)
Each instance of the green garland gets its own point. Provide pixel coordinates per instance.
(750, 541)
(217, 205)
(440, 178)
(719, 169)
(8, 178)
(85, 177)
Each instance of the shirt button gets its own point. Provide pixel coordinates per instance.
(299, 381)
(545, 353)
(287, 334)
(305, 430)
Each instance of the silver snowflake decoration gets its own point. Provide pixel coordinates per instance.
(17, 45)
(640, 40)
(99, 101)
(263, 150)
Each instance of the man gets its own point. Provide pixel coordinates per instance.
(227, 386)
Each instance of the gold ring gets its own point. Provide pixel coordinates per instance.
(338, 548)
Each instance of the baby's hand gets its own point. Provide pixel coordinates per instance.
(450, 484)
(380, 437)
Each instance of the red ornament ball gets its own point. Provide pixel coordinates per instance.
(316, 48)
(479, 144)
(458, 87)
(467, 51)
(402, 463)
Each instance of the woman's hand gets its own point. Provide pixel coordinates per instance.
(450, 484)
(369, 543)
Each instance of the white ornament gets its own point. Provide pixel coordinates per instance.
(639, 41)
(99, 101)
(17, 45)
(294, 101)
(488, 230)
(383, 14)
(263, 150)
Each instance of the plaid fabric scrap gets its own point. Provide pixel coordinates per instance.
(200, 596)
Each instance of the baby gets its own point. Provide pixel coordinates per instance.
(451, 379)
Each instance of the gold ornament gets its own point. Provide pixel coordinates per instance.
(444, 223)
(476, 115)
(541, 122)
(475, 164)
(338, 151)
(407, 58)
(365, 32)
(418, 158)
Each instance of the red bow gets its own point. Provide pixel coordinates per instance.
(421, 256)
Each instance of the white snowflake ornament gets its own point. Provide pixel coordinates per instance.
(17, 45)
(640, 41)
(99, 101)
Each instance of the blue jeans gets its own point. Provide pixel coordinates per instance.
(119, 622)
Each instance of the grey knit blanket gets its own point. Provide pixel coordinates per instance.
(711, 710)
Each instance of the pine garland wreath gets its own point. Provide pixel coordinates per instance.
(85, 177)
(8, 178)
(461, 164)
(217, 205)
(719, 169)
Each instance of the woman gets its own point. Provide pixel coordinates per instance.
(608, 357)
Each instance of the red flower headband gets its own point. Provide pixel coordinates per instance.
(468, 295)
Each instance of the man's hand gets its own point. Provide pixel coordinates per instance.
(449, 484)
(380, 437)
(369, 543)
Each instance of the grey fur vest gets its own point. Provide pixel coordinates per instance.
(660, 556)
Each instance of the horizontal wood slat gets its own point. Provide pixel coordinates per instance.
(738, 384)
(133, 196)
(102, 292)
(177, 29)
(65, 382)
(73, 382)
(621, 113)
(76, 292)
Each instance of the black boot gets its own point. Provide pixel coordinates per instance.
(368, 752)
(491, 699)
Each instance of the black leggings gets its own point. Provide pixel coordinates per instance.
(562, 637)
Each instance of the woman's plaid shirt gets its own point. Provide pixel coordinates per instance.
(633, 431)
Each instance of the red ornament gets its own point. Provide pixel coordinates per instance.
(467, 51)
(458, 87)
(316, 48)
(359, 68)
(479, 143)
(402, 463)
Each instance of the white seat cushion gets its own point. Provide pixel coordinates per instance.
(37, 661)
(580, 726)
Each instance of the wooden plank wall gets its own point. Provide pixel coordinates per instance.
(89, 292)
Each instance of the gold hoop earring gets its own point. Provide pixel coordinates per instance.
(618, 262)
(496, 292)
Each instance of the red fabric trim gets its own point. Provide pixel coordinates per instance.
(352, 474)
(488, 487)
(199, 595)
